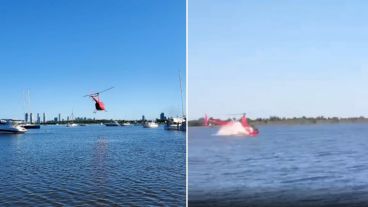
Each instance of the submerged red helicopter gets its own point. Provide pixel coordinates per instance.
(100, 106)
(231, 128)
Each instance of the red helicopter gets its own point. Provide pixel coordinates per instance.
(229, 128)
(100, 106)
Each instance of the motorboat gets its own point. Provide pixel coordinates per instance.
(71, 125)
(114, 123)
(9, 126)
(125, 124)
(175, 123)
(150, 124)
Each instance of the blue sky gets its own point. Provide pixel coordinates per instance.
(62, 50)
(283, 58)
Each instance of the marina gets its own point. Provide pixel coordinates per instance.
(88, 91)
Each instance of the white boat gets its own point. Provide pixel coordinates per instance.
(114, 123)
(9, 126)
(150, 124)
(72, 125)
(125, 124)
(175, 123)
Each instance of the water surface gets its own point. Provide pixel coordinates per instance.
(93, 166)
(304, 165)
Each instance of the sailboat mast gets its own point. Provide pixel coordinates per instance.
(28, 102)
(181, 96)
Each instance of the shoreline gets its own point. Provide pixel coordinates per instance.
(294, 121)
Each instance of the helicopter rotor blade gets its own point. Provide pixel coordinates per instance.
(98, 93)
(105, 90)
(90, 95)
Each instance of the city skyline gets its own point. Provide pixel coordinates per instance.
(28, 118)
(62, 51)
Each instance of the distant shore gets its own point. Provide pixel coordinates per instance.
(98, 121)
(274, 120)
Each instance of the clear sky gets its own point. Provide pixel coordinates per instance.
(283, 58)
(62, 50)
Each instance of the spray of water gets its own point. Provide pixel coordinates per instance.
(233, 129)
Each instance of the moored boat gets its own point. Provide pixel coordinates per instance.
(150, 124)
(114, 123)
(9, 126)
(71, 125)
(175, 123)
(183, 126)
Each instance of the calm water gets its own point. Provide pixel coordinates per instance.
(315, 165)
(93, 166)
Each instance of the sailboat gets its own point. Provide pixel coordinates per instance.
(71, 124)
(177, 123)
(25, 124)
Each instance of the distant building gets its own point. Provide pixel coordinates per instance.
(31, 118)
(143, 118)
(162, 117)
(38, 118)
(26, 117)
(55, 119)
(59, 118)
(44, 118)
(67, 118)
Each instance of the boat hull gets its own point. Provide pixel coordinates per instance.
(36, 126)
(4, 131)
(150, 125)
(172, 127)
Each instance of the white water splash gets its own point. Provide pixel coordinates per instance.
(233, 129)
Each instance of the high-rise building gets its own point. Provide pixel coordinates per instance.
(143, 118)
(38, 118)
(26, 117)
(67, 118)
(31, 118)
(59, 117)
(44, 118)
(162, 116)
(55, 119)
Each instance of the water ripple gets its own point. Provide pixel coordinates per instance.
(302, 165)
(93, 166)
